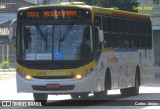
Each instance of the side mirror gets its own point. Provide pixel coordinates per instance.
(101, 36)
(99, 33)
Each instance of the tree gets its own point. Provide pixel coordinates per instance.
(125, 5)
(101, 3)
(88, 2)
(155, 1)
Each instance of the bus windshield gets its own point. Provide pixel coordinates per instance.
(55, 42)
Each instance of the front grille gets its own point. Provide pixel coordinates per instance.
(61, 88)
(53, 77)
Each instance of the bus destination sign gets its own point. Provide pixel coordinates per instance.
(55, 13)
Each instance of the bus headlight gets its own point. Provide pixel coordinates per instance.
(79, 77)
(28, 77)
(23, 75)
(83, 75)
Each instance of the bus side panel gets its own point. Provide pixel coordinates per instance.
(110, 60)
(147, 65)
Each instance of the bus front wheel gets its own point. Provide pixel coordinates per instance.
(102, 95)
(74, 96)
(83, 96)
(40, 97)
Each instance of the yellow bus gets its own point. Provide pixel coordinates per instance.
(78, 49)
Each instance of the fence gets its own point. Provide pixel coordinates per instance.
(7, 56)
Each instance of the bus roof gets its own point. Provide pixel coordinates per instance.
(94, 9)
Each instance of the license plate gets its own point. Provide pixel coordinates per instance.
(53, 86)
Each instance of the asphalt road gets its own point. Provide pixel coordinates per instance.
(149, 92)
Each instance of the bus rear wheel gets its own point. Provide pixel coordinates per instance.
(135, 90)
(40, 97)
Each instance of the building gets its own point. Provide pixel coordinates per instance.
(8, 10)
(13, 5)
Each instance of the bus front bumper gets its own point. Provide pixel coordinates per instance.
(56, 86)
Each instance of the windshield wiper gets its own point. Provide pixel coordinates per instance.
(44, 37)
(41, 33)
(59, 44)
(64, 35)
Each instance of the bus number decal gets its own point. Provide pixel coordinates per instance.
(33, 14)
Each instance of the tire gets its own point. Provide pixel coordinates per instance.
(135, 90)
(103, 95)
(75, 96)
(39, 97)
(126, 91)
(83, 96)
